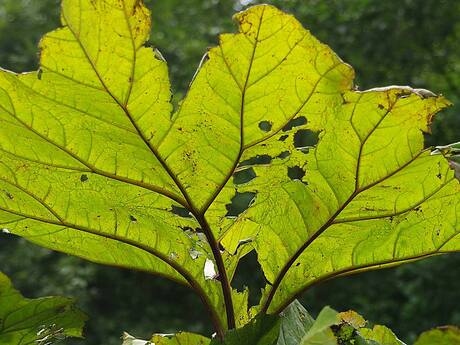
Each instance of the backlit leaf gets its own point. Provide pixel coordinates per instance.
(272, 149)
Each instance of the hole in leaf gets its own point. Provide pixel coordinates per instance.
(244, 176)
(283, 155)
(83, 178)
(283, 137)
(296, 173)
(181, 211)
(257, 160)
(9, 195)
(305, 138)
(132, 218)
(250, 274)
(240, 203)
(265, 126)
(194, 254)
(209, 270)
(298, 121)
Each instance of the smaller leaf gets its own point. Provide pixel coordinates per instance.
(130, 340)
(320, 332)
(452, 149)
(263, 330)
(381, 335)
(39, 321)
(353, 319)
(295, 323)
(180, 339)
(167, 339)
(448, 335)
(452, 153)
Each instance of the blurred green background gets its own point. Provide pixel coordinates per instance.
(403, 42)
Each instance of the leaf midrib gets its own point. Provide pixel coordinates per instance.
(242, 110)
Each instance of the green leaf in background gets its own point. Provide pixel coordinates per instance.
(39, 321)
(448, 335)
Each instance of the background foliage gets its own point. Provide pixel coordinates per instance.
(388, 42)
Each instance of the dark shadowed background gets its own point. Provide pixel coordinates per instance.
(403, 42)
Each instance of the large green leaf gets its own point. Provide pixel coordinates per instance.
(272, 149)
(36, 321)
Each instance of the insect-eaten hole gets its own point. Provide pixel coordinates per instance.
(240, 203)
(305, 139)
(257, 160)
(244, 176)
(249, 274)
(265, 126)
(283, 155)
(84, 178)
(283, 137)
(296, 173)
(298, 121)
(132, 218)
(181, 211)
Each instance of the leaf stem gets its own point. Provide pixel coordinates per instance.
(223, 277)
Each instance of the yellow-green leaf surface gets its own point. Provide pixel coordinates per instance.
(80, 170)
(36, 321)
(94, 163)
